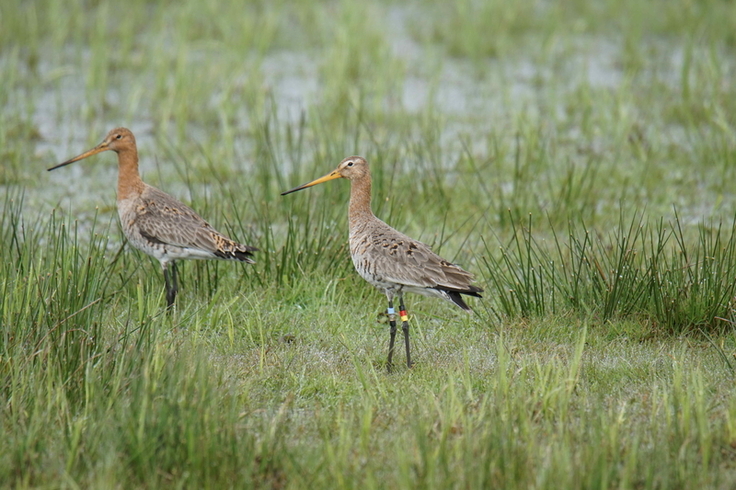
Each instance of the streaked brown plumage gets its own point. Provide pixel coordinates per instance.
(390, 260)
(156, 223)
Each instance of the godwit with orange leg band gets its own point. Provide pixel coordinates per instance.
(390, 260)
(156, 223)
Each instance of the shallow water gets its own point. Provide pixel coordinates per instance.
(471, 100)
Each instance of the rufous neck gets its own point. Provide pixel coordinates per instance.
(129, 180)
(360, 200)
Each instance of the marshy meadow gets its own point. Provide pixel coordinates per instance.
(578, 157)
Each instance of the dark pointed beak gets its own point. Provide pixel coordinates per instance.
(94, 151)
(331, 176)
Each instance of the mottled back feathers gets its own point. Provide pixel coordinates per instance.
(383, 255)
(161, 220)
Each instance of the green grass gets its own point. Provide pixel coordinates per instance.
(578, 157)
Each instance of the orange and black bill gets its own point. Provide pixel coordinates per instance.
(94, 151)
(331, 176)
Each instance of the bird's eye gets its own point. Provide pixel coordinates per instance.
(350, 164)
(119, 137)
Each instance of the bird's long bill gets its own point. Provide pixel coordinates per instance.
(94, 151)
(332, 175)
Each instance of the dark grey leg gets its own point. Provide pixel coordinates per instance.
(392, 322)
(171, 284)
(175, 274)
(405, 328)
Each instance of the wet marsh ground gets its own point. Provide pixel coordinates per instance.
(578, 157)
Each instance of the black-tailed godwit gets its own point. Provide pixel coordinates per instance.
(391, 261)
(156, 223)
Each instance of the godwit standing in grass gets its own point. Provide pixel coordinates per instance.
(390, 260)
(156, 223)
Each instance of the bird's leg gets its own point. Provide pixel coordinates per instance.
(405, 328)
(392, 321)
(168, 281)
(175, 275)
(171, 284)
